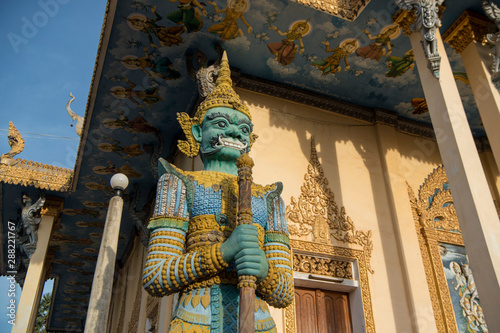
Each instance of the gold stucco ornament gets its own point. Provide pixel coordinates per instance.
(16, 143)
(223, 95)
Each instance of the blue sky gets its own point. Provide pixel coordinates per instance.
(47, 50)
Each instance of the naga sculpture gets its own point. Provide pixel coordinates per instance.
(427, 21)
(16, 143)
(493, 12)
(196, 247)
(205, 75)
(31, 218)
(74, 116)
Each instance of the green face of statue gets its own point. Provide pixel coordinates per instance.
(223, 136)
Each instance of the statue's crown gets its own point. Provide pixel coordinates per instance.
(223, 95)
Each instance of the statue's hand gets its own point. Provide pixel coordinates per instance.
(252, 261)
(245, 236)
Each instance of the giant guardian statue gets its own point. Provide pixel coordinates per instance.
(198, 247)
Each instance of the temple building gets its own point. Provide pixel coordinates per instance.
(379, 117)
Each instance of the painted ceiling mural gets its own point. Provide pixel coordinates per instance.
(367, 62)
(145, 81)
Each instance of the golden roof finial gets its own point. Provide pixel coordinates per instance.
(16, 143)
(223, 95)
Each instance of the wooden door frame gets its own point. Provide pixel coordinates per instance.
(304, 252)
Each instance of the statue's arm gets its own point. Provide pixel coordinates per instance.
(167, 270)
(277, 288)
(168, 267)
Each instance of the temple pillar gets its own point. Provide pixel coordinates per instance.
(102, 285)
(420, 304)
(476, 212)
(141, 326)
(466, 36)
(29, 302)
(165, 314)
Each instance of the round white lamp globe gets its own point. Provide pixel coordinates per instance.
(119, 181)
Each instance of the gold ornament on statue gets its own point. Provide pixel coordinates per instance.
(223, 95)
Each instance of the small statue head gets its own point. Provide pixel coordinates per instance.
(27, 199)
(221, 129)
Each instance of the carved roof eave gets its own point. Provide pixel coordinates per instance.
(42, 176)
(94, 83)
(347, 10)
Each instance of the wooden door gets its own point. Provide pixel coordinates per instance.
(322, 311)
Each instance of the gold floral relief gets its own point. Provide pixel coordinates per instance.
(316, 212)
(324, 266)
(469, 27)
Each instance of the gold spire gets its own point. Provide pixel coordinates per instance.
(223, 95)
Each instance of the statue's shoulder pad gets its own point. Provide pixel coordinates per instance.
(165, 167)
(275, 189)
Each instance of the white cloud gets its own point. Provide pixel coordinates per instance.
(358, 62)
(330, 79)
(406, 109)
(255, 16)
(403, 107)
(278, 68)
(406, 79)
(453, 256)
(327, 26)
(240, 44)
(344, 31)
(264, 4)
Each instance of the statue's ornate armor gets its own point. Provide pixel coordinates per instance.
(195, 212)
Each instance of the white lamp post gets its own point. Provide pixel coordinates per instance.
(102, 285)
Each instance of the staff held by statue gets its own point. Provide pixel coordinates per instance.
(246, 283)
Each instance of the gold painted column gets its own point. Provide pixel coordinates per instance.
(465, 36)
(27, 309)
(473, 201)
(420, 304)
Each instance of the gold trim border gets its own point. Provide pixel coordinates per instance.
(39, 175)
(430, 235)
(358, 256)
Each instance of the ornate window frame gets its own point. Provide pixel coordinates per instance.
(436, 222)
